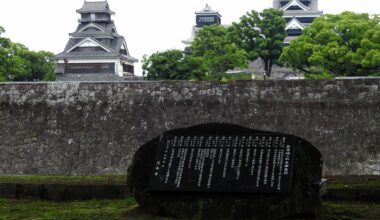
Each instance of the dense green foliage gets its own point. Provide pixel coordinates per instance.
(216, 49)
(261, 35)
(344, 44)
(319, 76)
(172, 64)
(218, 52)
(17, 63)
(175, 65)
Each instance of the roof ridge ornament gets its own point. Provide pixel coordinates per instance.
(207, 10)
(207, 7)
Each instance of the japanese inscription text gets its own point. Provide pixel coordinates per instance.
(234, 163)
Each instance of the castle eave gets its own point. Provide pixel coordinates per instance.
(100, 11)
(129, 58)
(77, 55)
(93, 34)
(94, 7)
(302, 14)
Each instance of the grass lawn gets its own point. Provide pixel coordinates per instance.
(128, 209)
(78, 210)
(333, 182)
(350, 211)
(353, 182)
(101, 179)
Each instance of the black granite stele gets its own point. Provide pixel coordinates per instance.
(231, 163)
(224, 171)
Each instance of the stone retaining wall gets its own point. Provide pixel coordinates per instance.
(79, 128)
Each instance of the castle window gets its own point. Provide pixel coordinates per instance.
(128, 68)
(294, 32)
(85, 16)
(306, 19)
(207, 19)
(88, 49)
(294, 8)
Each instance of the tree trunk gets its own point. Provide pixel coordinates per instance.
(270, 61)
(266, 66)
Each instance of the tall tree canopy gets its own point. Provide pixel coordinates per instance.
(218, 52)
(344, 44)
(17, 63)
(261, 35)
(172, 64)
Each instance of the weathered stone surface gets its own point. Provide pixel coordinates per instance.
(301, 202)
(93, 128)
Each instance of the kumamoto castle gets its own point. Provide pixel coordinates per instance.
(252, 149)
(95, 51)
(95, 47)
(298, 15)
(203, 18)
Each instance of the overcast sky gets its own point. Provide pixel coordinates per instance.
(147, 25)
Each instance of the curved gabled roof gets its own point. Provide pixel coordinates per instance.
(89, 7)
(296, 3)
(294, 24)
(91, 25)
(93, 41)
(96, 34)
(208, 11)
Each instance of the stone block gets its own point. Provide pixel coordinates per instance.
(231, 198)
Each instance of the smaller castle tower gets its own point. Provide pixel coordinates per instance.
(298, 15)
(205, 17)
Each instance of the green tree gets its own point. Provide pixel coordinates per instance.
(344, 44)
(40, 64)
(18, 63)
(370, 51)
(261, 35)
(193, 67)
(172, 64)
(12, 66)
(218, 52)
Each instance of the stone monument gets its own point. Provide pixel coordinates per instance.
(224, 171)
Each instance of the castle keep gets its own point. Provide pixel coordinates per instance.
(298, 15)
(95, 47)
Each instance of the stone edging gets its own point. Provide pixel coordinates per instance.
(368, 195)
(68, 192)
(61, 192)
